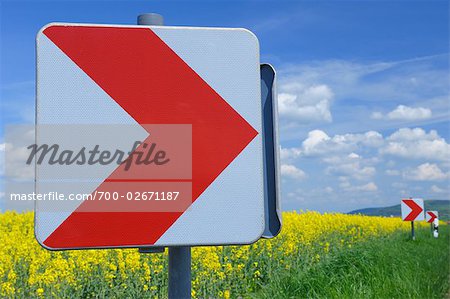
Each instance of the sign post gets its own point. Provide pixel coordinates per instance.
(436, 228)
(432, 217)
(412, 210)
(157, 20)
(180, 272)
(179, 257)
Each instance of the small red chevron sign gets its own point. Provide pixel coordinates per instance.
(412, 209)
(181, 106)
(431, 215)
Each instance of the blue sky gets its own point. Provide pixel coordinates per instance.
(363, 87)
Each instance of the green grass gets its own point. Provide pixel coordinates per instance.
(391, 267)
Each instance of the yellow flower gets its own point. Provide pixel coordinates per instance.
(257, 273)
(40, 291)
(214, 268)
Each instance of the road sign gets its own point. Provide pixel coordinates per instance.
(431, 215)
(195, 90)
(271, 156)
(412, 209)
(435, 226)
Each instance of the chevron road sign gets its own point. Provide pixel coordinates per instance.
(181, 106)
(431, 215)
(412, 209)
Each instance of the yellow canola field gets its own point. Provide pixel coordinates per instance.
(28, 270)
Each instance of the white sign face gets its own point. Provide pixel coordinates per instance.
(431, 215)
(412, 209)
(181, 106)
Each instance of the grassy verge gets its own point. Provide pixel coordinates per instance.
(389, 267)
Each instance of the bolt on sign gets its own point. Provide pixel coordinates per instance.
(147, 136)
(431, 215)
(412, 209)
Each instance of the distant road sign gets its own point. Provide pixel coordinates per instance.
(203, 84)
(431, 215)
(412, 209)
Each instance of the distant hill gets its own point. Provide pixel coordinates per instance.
(442, 206)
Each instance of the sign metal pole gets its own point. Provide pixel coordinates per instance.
(179, 257)
(412, 231)
(180, 272)
(436, 228)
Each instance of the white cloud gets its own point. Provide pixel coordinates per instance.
(289, 154)
(14, 153)
(392, 172)
(372, 139)
(303, 103)
(292, 172)
(407, 81)
(403, 112)
(15, 165)
(426, 172)
(398, 185)
(353, 170)
(377, 115)
(409, 90)
(319, 143)
(313, 144)
(351, 166)
(353, 156)
(436, 189)
(365, 163)
(328, 189)
(369, 187)
(409, 113)
(2, 158)
(417, 144)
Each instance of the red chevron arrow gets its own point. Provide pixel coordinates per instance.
(432, 216)
(154, 86)
(415, 209)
